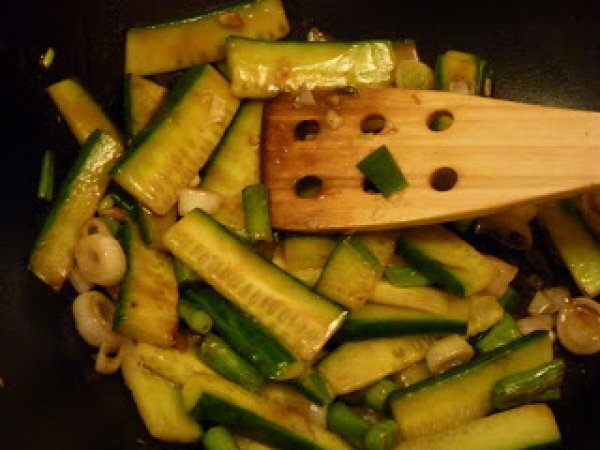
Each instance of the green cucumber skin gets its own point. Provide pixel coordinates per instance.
(314, 387)
(242, 333)
(65, 188)
(526, 387)
(213, 409)
(406, 277)
(215, 10)
(217, 154)
(511, 301)
(431, 268)
(126, 238)
(132, 207)
(182, 86)
(217, 354)
(463, 369)
(356, 330)
(363, 251)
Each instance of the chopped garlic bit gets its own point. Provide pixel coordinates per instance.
(190, 199)
(231, 20)
(333, 119)
(304, 96)
(316, 35)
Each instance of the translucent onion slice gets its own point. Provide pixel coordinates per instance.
(110, 355)
(94, 226)
(190, 199)
(549, 301)
(506, 273)
(79, 282)
(100, 259)
(93, 313)
(530, 324)
(578, 326)
(448, 352)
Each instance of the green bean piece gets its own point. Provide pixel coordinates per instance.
(256, 212)
(529, 386)
(503, 332)
(184, 275)
(343, 421)
(377, 394)
(195, 318)
(46, 185)
(219, 438)
(382, 435)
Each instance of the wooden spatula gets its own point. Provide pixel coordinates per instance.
(494, 154)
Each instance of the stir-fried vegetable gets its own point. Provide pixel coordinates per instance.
(373, 340)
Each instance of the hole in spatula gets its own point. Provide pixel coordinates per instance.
(443, 179)
(373, 124)
(309, 186)
(307, 130)
(440, 120)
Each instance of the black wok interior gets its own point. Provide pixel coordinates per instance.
(542, 52)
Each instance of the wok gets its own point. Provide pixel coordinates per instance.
(543, 52)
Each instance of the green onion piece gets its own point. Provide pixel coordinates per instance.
(184, 275)
(314, 387)
(529, 386)
(377, 394)
(406, 277)
(256, 212)
(111, 223)
(46, 186)
(105, 203)
(503, 332)
(47, 58)
(511, 301)
(380, 169)
(224, 360)
(382, 436)
(196, 319)
(219, 438)
(347, 424)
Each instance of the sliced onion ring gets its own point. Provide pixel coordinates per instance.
(93, 313)
(578, 326)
